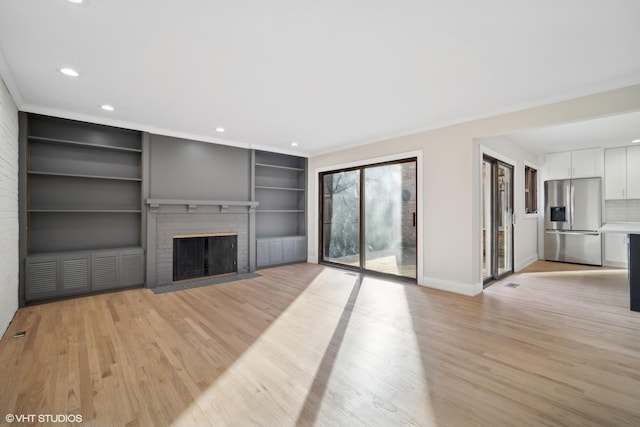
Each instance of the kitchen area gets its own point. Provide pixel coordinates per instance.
(580, 186)
(590, 193)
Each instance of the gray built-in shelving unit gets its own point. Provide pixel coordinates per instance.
(280, 188)
(83, 208)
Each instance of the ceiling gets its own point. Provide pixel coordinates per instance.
(325, 74)
(612, 131)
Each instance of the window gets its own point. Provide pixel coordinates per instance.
(530, 190)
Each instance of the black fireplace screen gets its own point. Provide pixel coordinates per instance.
(195, 257)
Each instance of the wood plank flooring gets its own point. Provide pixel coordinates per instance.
(312, 345)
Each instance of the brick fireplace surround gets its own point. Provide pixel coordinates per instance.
(167, 218)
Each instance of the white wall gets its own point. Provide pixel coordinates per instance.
(526, 226)
(8, 208)
(451, 162)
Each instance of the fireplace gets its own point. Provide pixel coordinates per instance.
(171, 219)
(197, 256)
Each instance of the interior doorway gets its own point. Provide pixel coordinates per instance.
(497, 219)
(369, 218)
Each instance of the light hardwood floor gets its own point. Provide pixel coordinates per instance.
(311, 345)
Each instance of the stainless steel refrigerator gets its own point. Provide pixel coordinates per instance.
(572, 220)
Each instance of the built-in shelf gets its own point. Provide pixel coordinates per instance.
(280, 250)
(280, 184)
(76, 175)
(84, 210)
(84, 186)
(259, 187)
(82, 144)
(55, 274)
(280, 211)
(264, 165)
(156, 202)
(276, 236)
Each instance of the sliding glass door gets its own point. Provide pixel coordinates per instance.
(497, 219)
(369, 218)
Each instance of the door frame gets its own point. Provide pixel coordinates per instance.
(315, 244)
(500, 159)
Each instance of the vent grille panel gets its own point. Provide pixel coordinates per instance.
(76, 273)
(131, 269)
(41, 277)
(105, 272)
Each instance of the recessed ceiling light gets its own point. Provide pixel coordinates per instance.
(294, 144)
(636, 141)
(219, 129)
(69, 72)
(107, 107)
(75, 1)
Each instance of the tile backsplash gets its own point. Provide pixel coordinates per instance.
(622, 210)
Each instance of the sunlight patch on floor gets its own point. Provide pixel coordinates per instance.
(267, 381)
(366, 374)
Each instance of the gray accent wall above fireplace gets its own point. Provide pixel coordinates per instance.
(184, 169)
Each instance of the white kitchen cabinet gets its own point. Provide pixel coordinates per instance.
(615, 173)
(622, 173)
(558, 165)
(586, 163)
(574, 164)
(633, 172)
(615, 250)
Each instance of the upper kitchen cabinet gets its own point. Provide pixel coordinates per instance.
(622, 174)
(558, 165)
(586, 163)
(633, 172)
(615, 173)
(574, 164)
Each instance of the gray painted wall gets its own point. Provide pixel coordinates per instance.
(9, 250)
(184, 169)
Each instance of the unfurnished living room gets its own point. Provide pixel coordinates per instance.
(284, 213)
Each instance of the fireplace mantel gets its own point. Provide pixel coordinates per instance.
(192, 205)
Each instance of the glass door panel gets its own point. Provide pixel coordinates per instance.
(505, 218)
(390, 219)
(487, 223)
(341, 217)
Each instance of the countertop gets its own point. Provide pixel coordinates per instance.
(621, 227)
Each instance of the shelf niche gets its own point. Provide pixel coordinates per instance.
(84, 184)
(281, 189)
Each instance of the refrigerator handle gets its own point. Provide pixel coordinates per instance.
(572, 204)
(574, 233)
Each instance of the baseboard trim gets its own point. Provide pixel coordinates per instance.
(615, 264)
(456, 287)
(527, 262)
